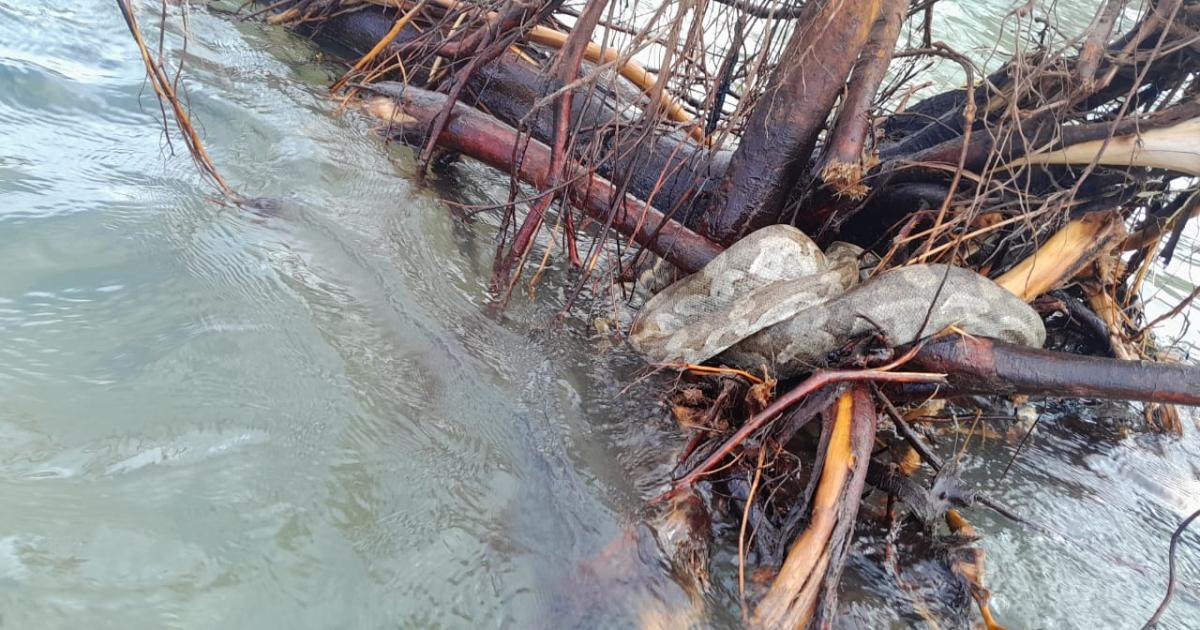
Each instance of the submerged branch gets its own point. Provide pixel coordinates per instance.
(165, 90)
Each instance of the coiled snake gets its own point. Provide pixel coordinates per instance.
(775, 299)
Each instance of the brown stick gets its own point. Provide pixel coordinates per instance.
(967, 562)
(843, 168)
(819, 379)
(486, 139)
(1038, 134)
(783, 127)
(976, 365)
(1191, 297)
(1166, 601)
(164, 88)
(806, 588)
(1089, 56)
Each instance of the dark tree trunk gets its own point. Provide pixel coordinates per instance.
(783, 128)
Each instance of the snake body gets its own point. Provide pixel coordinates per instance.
(773, 298)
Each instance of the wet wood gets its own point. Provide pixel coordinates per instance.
(679, 170)
(565, 69)
(1036, 134)
(1064, 254)
(409, 111)
(804, 592)
(845, 163)
(975, 365)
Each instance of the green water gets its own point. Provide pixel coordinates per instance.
(307, 418)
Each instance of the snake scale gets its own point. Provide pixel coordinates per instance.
(775, 299)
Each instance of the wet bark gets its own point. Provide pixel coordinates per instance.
(782, 130)
(850, 131)
(410, 110)
(683, 173)
(1037, 134)
(804, 593)
(987, 366)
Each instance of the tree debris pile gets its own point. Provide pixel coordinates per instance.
(654, 137)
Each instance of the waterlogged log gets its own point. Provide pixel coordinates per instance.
(805, 591)
(975, 365)
(408, 112)
(782, 131)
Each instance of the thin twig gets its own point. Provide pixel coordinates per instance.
(1166, 601)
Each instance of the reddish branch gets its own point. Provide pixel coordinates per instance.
(1097, 41)
(976, 365)
(499, 35)
(473, 133)
(565, 69)
(849, 135)
(783, 127)
(818, 380)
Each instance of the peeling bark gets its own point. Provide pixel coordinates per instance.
(805, 591)
(844, 164)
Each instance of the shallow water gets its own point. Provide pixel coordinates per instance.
(307, 418)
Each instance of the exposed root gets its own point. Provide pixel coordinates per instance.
(792, 601)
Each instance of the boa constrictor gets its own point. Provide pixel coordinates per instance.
(773, 298)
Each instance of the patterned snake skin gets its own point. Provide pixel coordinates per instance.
(773, 298)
